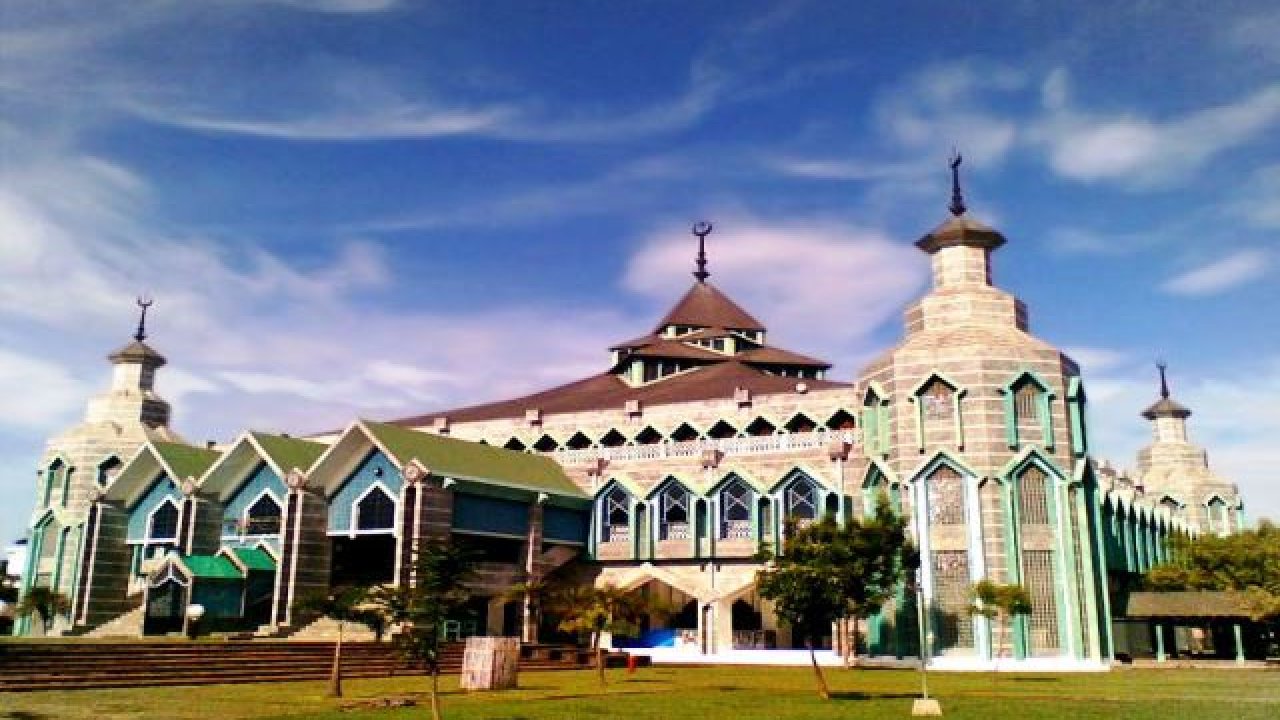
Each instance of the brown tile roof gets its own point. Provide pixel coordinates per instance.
(705, 306)
(137, 352)
(1166, 407)
(961, 230)
(778, 356)
(668, 348)
(605, 391)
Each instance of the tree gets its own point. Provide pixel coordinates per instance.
(532, 595)
(44, 603)
(830, 571)
(343, 604)
(994, 601)
(438, 593)
(592, 611)
(1247, 562)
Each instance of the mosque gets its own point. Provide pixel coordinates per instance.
(665, 473)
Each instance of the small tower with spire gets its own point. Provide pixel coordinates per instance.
(702, 230)
(961, 246)
(1168, 417)
(132, 396)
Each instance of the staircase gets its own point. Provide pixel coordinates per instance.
(325, 629)
(128, 624)
(83, 665)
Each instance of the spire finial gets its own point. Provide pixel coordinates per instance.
(1164, 380)
(144, 302)
(956, 207)
(702, 230)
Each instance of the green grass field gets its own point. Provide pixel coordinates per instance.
(729, 693)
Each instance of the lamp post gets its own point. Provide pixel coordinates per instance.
(192, 615)
(924, 705)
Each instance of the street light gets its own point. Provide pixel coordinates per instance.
(924, 705)
(193, 614)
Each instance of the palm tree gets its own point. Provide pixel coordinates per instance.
(46, 603)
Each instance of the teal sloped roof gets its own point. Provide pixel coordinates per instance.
(450, 457)
(185, 460)
(289, 453)
(212, 567)
(255, 558)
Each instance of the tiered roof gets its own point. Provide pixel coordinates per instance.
(703, 313)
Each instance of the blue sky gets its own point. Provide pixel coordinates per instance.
(376, 208)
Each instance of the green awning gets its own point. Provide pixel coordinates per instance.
(255, 558)
(212, 567)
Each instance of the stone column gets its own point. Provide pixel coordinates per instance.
(1160, 656)
(1239, 644)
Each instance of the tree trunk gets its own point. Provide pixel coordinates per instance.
(823, 692)
(335, 673)
(600, 664)
(852, 659)
(435, 691)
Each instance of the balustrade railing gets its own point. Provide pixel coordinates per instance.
(750, 445)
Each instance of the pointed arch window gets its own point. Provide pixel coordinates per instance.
(1028, 403)
(51, 477)
(546, 444)
(108, 470)
(736, 501)
(875, 422)
(722, 430)
(684, 433)
(1033, 497)
(163, 525)
(1218, 516)
(673, 513)
(615, 516)
(760, 427)
(648, 436)
(579, 441)
(800, 502)
(800, 423)
(376, 511)
(1171, 505)
(263, 516)
(514, 444)
(946, 496)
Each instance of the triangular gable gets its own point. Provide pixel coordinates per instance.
(635, 577)
(170, 567)
(802, 469)
(920, 386)
(1028, 456)
(184, 462)
(876, 467)
(1027, 374)
(942, 457)
(252, 559)
(624, 481)
(286, 454)
(752, 481)
(137, 476)
(678, 478)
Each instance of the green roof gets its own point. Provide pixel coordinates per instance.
(255, 558)
(450, 457)
(289, 453)
(185, 460)
(212, 567)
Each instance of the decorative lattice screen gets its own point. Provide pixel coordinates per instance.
(946, 497)
(1033, 497)
(1038, 578)
(954, 628)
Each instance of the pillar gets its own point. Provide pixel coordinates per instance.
(1160, 656)
(1235, 627)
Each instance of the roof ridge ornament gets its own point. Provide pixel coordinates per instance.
(957, 206)
(144, 302)
(702, 229)
(1162, 366)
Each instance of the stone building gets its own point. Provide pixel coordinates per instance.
(665, 473)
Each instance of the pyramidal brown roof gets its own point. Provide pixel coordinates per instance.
(706, 306)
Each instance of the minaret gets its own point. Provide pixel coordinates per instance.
(132, 396)
(1168, 417)
(962, 294)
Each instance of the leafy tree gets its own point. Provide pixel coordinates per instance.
(345, 605)
(830, 571)
(43, 603)
(1247, 562)
(438, 593)
(592, 611)
(994, 601)
(532, 595)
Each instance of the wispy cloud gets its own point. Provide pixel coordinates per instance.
(1137, 152)
(1234, 270)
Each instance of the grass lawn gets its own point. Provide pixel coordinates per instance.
(731, 693)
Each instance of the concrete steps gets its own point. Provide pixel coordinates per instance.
(84, 665)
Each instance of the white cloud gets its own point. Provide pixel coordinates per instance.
(1238, 268)
(809, 281)
(1097, 359)
(36, 391)
(1139, 152)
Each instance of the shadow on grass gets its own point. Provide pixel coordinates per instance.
(873, 696)
(1036, 679)
(24, 715)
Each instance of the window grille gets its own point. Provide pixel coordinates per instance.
(1082, 581)
(675, 513)
(616, 512)
(376, 511)
(735, 511)
(946, 497)
(164, 523)
(951, 598)
(263, 517)
(1026, 401)
(937, 400)
(802, 502)
(1033, 497)
(1038, 577)
(1217, 515)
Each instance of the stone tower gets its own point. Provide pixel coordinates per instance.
(1175, 473)
(82, 460)
(975, 427)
